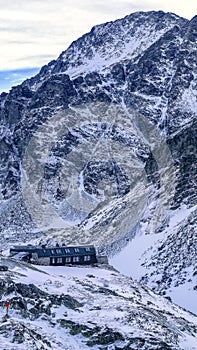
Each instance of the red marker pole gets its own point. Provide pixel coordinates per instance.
(7, 304)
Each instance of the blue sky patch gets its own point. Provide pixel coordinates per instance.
(9, 78)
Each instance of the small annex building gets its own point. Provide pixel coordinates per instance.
(57, 256)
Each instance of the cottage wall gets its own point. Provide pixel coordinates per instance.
(35, 256)
(102, 259)
(42, 260)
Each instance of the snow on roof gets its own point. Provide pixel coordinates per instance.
(20, 255)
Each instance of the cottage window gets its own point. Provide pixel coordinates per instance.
(76, 250)
(58, 251)
(52, 251)
(67, 250)
(87, 258)
(53, 261)
(75, 258)
(87, 249)
(59, 260)
(68, 259)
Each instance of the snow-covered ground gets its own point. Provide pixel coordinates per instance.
(109, 304)
(131, 259)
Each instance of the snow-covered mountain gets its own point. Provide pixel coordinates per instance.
(100, 147)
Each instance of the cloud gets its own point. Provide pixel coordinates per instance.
(114, 8)
(36, 57)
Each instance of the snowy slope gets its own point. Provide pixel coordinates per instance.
(175, 275)
(90, 307)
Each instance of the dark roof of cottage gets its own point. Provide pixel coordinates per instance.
(23, 248)
(66, 251)
(56, 251)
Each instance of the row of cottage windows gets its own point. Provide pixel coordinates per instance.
(66, 250)
(70, 259)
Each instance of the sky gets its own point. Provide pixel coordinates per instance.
(33, 32)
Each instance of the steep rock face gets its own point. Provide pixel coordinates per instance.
(176, 258)
(122, 101)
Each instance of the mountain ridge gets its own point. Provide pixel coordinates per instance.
(54, 68)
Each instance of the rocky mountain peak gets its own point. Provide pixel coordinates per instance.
(112, 42)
